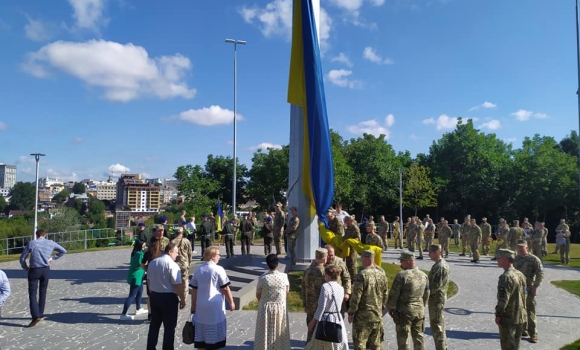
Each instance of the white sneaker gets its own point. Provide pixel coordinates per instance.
(194, 252)
(141, 311)
(126, 317)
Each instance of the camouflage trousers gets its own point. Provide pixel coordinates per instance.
(456, 239)
(292, 249)
(485, 245)
(397, 237)
(309, 318)
(509, 337)
(413, 327)
(464, 245)
(419, 241)
(367, 335)
(351, 265)
(530, 326)
(437, 324)
(277, 241)
(428, 241)
(537, 250)
(444, 247)
(411, 240)
(474, 250)
(385, 243)
(564, 253)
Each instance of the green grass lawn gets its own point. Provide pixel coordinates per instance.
(294, 303)
(14, 257)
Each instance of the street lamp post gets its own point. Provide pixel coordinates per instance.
(236, 43)
(37, 157)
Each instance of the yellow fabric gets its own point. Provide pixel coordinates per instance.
(343, 246)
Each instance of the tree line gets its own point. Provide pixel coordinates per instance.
(466, 171)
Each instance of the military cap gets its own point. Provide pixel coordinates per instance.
(502, 220)
(184, 222)
(506, 253)
(160, 227)
(204, 215)
(141, 224)
(407, 255)
(163, 218)
(179, 230)
(269, 219)
(522, 243)
(435, 248)
(369, 253)
(348, 217)
(154, 228)
(278, 204)
(516, 222)
(484, 219)
(331, 212)
(321, 253)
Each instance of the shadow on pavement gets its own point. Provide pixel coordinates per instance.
(102, 300)
(463, 312)
(469, 335)
(89, 317)
(3, 322)
(294, 344)
(77, 276)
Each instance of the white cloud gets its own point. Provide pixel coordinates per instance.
(541, 115)
(3, 126)
(511, 139)
(493, 124)
(342, 58)
(78, 140)
(486, 105)
(371, 127)
(25, 159)
(125, 72)
(371, 54)
(340, 77)
(389, 120)
(148, 176)
(443, 122)
(266, 145)
(207, 116)
(88, 14)
(37, 30)
(522, 115)
(116, 170)
(64, 175)
(275, 19)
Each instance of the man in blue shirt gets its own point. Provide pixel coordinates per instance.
(40, 251)
(4, 290)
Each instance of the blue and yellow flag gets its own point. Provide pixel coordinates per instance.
(218, 219)
(306, 89)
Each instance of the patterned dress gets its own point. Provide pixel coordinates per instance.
(326, 304)
(272, 331)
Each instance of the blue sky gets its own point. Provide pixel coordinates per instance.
(105, 86)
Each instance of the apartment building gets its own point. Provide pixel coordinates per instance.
(136, 195)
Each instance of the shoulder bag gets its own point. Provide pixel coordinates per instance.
(327, 330)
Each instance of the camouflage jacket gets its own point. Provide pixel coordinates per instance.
(382, 228)
(344, 276)
(474, 234)
(337, 226)
(183, 258)
(430, 230)
(439, 281)
(511, 298)
(311, 284)
(502, 232)
(396, 227)
(292, 228)
(374, 239)
(531, 266)
(485, 230)
(279, 220)
(456, 228)
(515, 234)
(409, 293)
(369, 295)
(444, 233)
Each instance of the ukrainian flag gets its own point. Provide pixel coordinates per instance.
(218, 219)
(306, 89)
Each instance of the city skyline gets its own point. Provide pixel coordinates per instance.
(101, 91)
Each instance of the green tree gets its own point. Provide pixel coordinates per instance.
(78, 188)
(268, 176)
(343, 173)
(64, 219)
(15, 227)
(196, 188)
(22, 196)
(419, 191)
(61, 197)
(221, 170)
(96, 213)
(3, 204)
(569, 144)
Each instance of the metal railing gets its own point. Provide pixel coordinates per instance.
(70, 240)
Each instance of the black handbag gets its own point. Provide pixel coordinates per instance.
(327, 330)
(188, 332)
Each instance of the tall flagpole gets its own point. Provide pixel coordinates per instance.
(401, 206)
(578, 91)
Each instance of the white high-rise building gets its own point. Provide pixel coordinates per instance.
(7, 176)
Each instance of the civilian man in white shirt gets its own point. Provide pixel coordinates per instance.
(164, 280)
(341, 213)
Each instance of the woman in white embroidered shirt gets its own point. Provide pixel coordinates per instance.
(329, 301)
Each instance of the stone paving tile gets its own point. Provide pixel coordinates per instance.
(87, 290)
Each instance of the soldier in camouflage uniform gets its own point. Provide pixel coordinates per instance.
(485, 236)
(292, 234)
(183, 260)
(531, 266)
(312, 283)
(372, 238)
(411, 234)
(502, 242)
(352, 231)
(407, 300)
(382, 229)
(158, 232)
(397, 233)
(438, 284)
(563, 241)
(444, 234)
(335, 224)
(464, 234)
(510, 311)
(536, 238)
(514, 235)
(419, 232)
(279, 220)
(367, 305)
(406, 232)
(343, 276)
(544, 239)
(429, 234)
(456, 228)
(474, 236)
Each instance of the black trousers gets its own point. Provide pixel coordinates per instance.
(229, 243)
(268, 245)
(246, 237)
(37, 276)
(164, 310)
(205, 242)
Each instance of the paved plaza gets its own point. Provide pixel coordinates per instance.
(87, 290)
